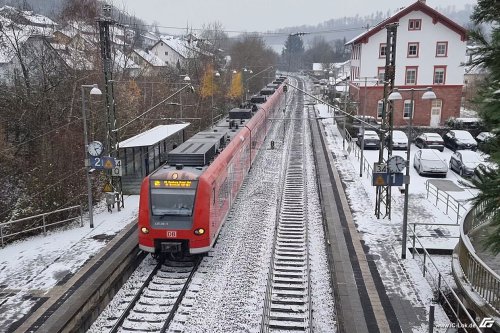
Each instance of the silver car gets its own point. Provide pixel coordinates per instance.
(430, 162)
(464, 162)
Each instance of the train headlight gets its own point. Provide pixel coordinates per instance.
(145, 230)
(199, 231)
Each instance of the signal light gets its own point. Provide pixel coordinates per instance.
(199, 232)
(145, 230)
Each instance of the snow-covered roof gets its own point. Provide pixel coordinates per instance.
(122, 61)
(29, 17)
(153, 136)
(150, 58)
(416, 6)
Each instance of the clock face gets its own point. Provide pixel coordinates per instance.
(396, 164)
(95, 148)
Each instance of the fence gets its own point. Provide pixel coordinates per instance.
(444, 291)
(452, 205)
(482, 279)
(7, 229)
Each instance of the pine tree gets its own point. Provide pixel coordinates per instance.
(487, 54)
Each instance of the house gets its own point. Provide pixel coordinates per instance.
(429, 52)
(176, 51)
(149, 63)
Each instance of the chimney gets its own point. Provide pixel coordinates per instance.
(423, 1)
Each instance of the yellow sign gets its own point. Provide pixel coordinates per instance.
(108, 165)
(379, 181)
(107, 188)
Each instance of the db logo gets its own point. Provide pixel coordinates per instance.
(171, 234)
(486, 323)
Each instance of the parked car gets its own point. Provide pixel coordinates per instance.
(430, 162)
(484, 136)
(399, 140)
(371, 140)
(370, 123)
(459, 140)
(430, 141)
(464, 162)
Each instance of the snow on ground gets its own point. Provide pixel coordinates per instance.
(234, 296)
(383, 236)
(35, 265)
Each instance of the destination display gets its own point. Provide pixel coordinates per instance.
(174, 183)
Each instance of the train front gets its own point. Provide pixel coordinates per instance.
(167, 212)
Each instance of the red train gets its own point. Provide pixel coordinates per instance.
(184, 203)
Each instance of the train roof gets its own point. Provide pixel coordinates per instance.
(202, 148)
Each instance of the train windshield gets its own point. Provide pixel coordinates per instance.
(173, 202)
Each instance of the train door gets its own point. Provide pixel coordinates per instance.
(214, 212)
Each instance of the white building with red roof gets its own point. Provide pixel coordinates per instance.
(430, 49)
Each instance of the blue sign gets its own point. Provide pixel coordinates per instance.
(387, 179)
(102, 163)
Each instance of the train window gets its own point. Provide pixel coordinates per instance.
(174, 202)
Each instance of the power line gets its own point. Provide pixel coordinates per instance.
(250, 34)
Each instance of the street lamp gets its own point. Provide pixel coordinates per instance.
(396, 95)
(217, 75)
(186, 79)
(94, 91)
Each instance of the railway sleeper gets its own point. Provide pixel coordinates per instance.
(160, 301)
(289, 308)
(152, 308)
(286, 293)
(289, 287)
(284, 280)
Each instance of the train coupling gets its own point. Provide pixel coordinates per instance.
(171, 247)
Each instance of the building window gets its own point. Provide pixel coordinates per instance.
(439, 74)
(411, 75)
(382, 50)
(407, 110)
(412, 50)
(414, 24)
(437, 103)
(166, 53)
(380, 108)
(441, 49)
(381, 74)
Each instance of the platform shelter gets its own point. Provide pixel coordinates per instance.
(143, 153)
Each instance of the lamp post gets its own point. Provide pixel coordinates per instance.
(94, 91)
(396, 95)
(217, 75)
(186, 79)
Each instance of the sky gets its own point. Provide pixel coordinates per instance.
(261, 15)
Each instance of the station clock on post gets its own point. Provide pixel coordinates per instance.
(396, 164)
(95, 148)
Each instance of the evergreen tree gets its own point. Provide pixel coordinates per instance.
(293, 52)
(487, 54)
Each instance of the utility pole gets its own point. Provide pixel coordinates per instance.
(111, 143)
(383, 194)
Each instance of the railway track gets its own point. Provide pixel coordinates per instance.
(287, 304)
(151, 299)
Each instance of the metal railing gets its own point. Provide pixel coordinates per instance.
(482, 279)
(444, 292)
(452, 204)
(38, 222)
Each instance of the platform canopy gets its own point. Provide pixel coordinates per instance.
(152, 136)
